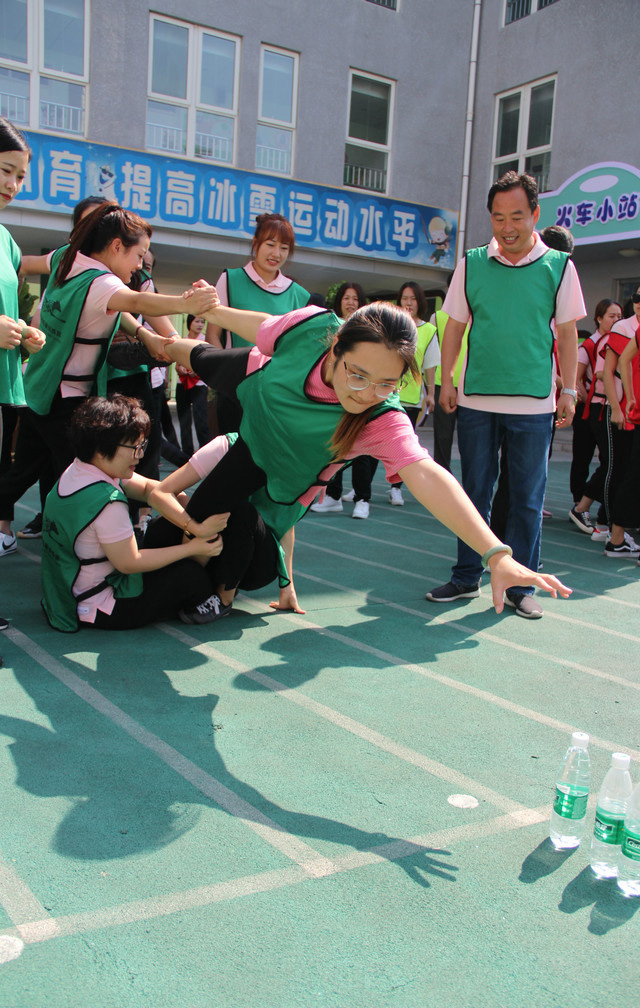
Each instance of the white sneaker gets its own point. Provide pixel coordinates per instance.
(361, 509)
(328, 504)
(395, 497)
(8, 544)
(349, 496)
(600, 533)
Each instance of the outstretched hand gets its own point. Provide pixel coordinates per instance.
(508, 573)
(288, 601)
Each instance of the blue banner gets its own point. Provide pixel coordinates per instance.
(212, 199)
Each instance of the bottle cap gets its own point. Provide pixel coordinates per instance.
(580, 740)
(620, 761)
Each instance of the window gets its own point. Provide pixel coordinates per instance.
(192, 91)
(515, 10)
(277, 109)
(44, 64)
(391, 4)
(366, 155)
(523, 131)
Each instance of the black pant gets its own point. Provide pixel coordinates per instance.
(222, 370)
(249, 558)
(362, 472)
(444, 425)
(32, 462)
(182, 585)
(589, 433)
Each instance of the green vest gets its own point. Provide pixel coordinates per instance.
(11, 389)
(243, 292)
(510, 340)
(113, 372)
(287, 433)
(59, 319)
(441, 322)
(410, 393)
(63, 520)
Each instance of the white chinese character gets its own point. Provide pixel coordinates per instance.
(404, 229)
(262, 199)
(301, 213)
(336, 220)
(136, 186)
(222, 201)
(65, 176)
(180, 194)
(371, 228)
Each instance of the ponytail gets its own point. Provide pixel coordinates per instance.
(97, 230)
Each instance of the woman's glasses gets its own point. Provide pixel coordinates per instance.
(358, 383)
(137, 449)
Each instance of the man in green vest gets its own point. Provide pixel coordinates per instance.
(513, 294)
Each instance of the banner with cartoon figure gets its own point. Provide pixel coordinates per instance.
(209, 199)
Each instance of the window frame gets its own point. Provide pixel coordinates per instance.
(536, 5)
(287, 126)
(369, 144)
(522, 152)
(191, 102)
(34, 67)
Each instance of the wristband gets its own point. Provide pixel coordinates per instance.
(185, 529)
(502, 548)
(138, 330)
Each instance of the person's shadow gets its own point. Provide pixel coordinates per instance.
(123, 805)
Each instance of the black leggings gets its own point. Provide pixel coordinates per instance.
(182, 585)
(249, 559)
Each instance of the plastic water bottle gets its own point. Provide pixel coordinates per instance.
(572, 793)
(613, 802)
(629, 857)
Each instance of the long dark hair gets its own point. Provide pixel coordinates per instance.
(419, 296)
(11, 139)
(98, 229)
(342, 290)
(602, 307)
(374, 323)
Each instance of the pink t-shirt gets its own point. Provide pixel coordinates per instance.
(113, 524)
(96, 322)
(569, 307)
(389, 438)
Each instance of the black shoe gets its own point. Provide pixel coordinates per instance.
(582, 519)
(526, 606)
(33, 529)
(450, 592)
(4, 623)
(207, 612)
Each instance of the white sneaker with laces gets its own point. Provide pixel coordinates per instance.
(349, 496)
(328, 504)
(395, 497)
(8, 544)
(361, 509)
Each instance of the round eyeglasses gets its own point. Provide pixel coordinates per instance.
(137, 449)
(358, 383)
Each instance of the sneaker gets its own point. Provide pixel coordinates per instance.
(328, 504)
(600, 533)
(450, 592)
(4, 623)
(581, 519)
(395, 497)
(7, 544)
(625, 551)
(349, 496)
(360, 509)
(33, 529)
(526, 606)
(207, 612)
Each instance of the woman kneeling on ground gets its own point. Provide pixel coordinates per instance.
(93, 573)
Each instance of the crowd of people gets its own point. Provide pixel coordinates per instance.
(302, 392)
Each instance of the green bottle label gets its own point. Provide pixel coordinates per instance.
(608, 827)
(631, 845)
(569, 806)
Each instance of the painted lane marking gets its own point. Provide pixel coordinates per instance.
(434, 845)
(296, 850)
(21, 904)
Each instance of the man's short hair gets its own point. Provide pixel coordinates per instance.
(558, 237)
(511, 180)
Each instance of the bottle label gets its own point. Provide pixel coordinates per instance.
(569, 806)
(631, 845)
(608, 827)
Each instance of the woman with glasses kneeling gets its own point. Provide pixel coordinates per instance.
(93, 573)
(316, 393)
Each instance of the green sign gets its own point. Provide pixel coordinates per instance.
(599, 204)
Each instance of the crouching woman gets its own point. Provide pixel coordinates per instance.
(93, 573)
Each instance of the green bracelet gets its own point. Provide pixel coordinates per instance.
(503, 548)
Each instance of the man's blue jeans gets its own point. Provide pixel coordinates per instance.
(479, 438)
